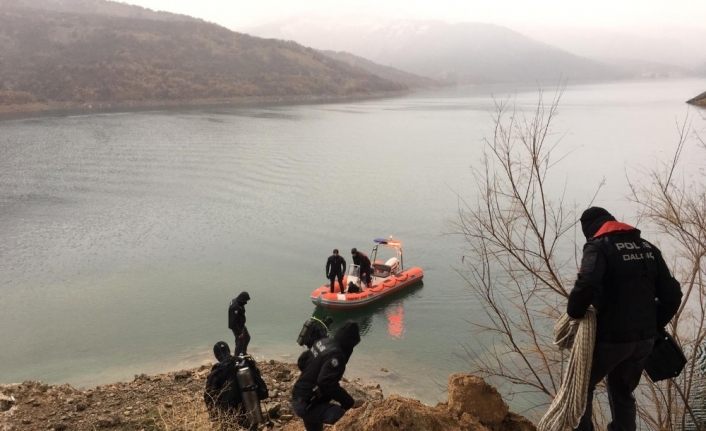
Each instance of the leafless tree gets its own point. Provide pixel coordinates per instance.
(517, 260)
(522, 256)
(674, 204)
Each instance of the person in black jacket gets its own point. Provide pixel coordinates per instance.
(222, 394)
(363, 261)
(236, 322)
(322, 368)
(627, 281)
(335, 268)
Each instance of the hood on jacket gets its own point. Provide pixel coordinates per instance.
(592, 219)
(243, 298)
(347, 337)
(221, 351)
(611, 227)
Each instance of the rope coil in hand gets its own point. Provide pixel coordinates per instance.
(570, 401)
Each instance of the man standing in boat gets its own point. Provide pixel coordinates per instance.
(236, 322)
(363, 262)
(335, 268)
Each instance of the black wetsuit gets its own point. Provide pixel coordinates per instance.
(335, 268)
(222, 394)
(236, 322)
(363, 261)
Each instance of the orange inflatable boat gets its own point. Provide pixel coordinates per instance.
(388, 277)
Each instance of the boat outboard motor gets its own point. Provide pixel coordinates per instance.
(248, 390)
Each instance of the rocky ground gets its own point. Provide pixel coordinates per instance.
(174, 402)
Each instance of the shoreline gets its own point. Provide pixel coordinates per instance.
(147, 402)
(362, 367)
(175, 401)
(61, 109)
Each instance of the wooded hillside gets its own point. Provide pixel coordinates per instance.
(79, 52)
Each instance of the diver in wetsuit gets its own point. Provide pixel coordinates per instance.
(322, 369)
(363, 262)
(222, 394)
(236, 322)
(335, 268)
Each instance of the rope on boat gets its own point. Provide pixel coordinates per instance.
(570, 401)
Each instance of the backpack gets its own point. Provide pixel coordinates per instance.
(667, 359)
(222, 391)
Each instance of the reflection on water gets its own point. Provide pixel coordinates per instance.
(395, 320)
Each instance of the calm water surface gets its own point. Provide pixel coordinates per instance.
(124, 236)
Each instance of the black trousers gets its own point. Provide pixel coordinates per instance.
(317, 415)
(332, 279)
(366, 277)
(622, 364)
(241, 342)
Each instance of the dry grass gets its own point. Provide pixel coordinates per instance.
(189, 413)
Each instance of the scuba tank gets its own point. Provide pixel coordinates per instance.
(248, 390)
(313, 329)
(304, 333)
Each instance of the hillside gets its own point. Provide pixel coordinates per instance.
(699, 100)
(457, 53)
(94, 7)
(81, 53)
(390, 73)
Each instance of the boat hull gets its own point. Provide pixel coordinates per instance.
(381, 288)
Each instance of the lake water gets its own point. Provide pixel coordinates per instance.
(124, 236)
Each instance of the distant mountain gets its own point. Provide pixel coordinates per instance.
(680, 46)
(72, 53)
(459, 53)
(650, 69)
(390, 73)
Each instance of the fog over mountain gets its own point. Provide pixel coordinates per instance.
(702, 69)
(457, 53)
(681, 47)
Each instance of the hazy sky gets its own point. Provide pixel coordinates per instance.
(610, 14)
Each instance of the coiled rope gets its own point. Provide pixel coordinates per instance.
(570, 401)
